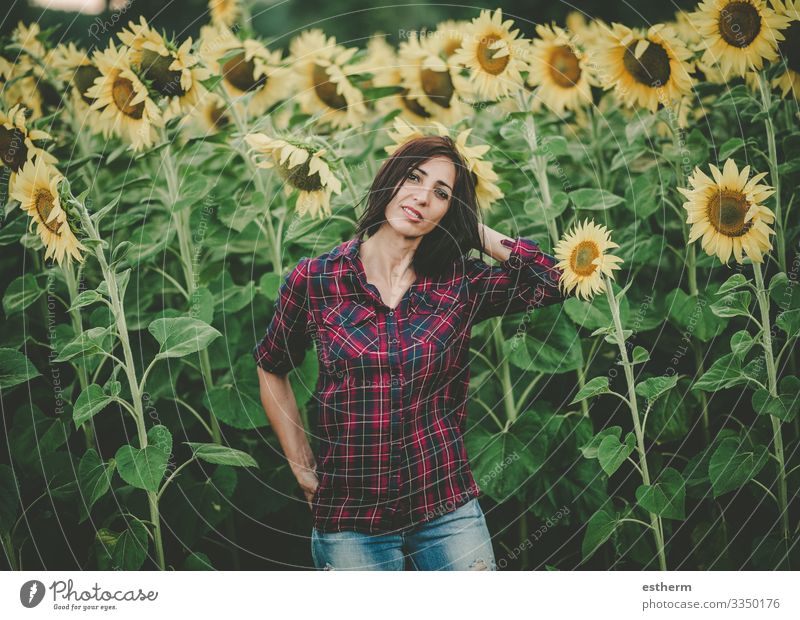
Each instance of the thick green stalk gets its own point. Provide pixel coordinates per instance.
(766, 103)
(505, 373)
(182, 227)
(258, 179)
(77, 328)
(637, 427)
(538, 165)
(772, 378)
(129, 368)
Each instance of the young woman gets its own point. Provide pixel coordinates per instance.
(391, 317)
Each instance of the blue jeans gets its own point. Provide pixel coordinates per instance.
(458, 540)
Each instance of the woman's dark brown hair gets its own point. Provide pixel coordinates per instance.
(457, 232)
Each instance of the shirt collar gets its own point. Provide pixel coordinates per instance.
(348, 249)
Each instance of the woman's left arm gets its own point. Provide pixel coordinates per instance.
(526, 278)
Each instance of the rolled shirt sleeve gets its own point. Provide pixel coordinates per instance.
(527, 279)
(287, 338)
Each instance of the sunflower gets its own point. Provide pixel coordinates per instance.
(210, 115)
(494, 55)
(486, 189)
(645, 69)
(449, 34)
(16, 143)
(686, 29)
(738, 34)
(585, 35)
(74, 67)
(318, 66)
(224, 12)
(249, 70)
(124, 104)
(381, 61)
(172, 71)
(583, 259)
(557, 67)
(303, 168)
(728, 213)
(36, 190)
(434, 82)
(789, 49)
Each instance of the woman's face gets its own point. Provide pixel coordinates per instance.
(423, 198)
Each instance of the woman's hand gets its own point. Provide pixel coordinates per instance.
(308, 481)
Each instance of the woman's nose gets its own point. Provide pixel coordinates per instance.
(421, 195)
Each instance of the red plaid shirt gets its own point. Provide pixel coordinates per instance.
(391, 398)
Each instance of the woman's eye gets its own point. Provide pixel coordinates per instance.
(413, 176)
(442, 194)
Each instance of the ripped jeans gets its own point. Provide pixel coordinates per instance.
(458, 540)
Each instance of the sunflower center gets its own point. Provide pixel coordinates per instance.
(790, 47)
(300, 177)
(486, 56)
(123, 93)
(326, 90)
(84, 78)
(43, 202)
(438, 86)
(217, 116)
(239, 73)
(156, 68)
(564, 67)
(651, 68)
(726, 211)
(739, 23)
(580, 261)
(413, 105)
(13, 152)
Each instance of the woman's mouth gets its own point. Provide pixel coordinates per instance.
(412, 214)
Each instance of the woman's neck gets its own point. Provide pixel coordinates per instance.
(388, 256)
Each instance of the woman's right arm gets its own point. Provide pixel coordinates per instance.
(283, 414)
(282, 348)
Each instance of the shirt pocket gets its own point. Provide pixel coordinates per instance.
(349, 330)
(436, 317)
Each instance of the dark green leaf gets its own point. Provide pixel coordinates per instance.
(91, 402)
(654, 387)
(21, 293)
(611, 453)
(598, 530)
(665, 498)
(235, 408)
(181, 336)
(734, 464)
(594, 199)
(598, 385)
(94, 480)
(145, 468)
(221, 455)
(130, 549)
(15, 368)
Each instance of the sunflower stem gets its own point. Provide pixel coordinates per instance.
(183, 230)
(698, 362)
(129, 366)
(538, 164)
(766, 103)
(505, 372)
(637, 428)
(77, 328)
(772, 380)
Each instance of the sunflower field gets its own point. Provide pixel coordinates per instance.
(157, 189)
